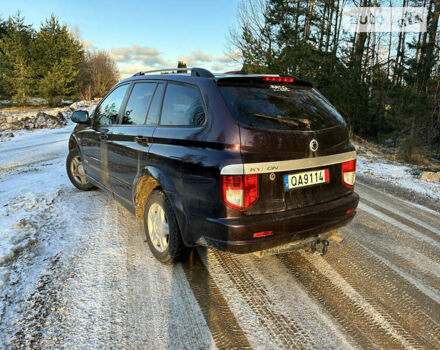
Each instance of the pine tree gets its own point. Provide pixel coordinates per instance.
(15, 55)
(57, 59)
(2, 75)
(181, 64)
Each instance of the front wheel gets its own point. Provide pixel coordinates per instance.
(161, 230)
(75, 171)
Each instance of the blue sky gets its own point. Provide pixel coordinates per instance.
(144, 34)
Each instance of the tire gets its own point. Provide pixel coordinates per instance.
(160, 219)
(75, 171)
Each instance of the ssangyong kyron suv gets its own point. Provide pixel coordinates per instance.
(236, 162)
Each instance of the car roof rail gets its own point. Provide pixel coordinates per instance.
(195, 72)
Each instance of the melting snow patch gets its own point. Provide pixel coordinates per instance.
(397, 174)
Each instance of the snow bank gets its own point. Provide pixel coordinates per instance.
(405, 176)
(45, 118)
(34, 119)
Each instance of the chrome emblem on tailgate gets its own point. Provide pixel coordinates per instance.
(314, 145)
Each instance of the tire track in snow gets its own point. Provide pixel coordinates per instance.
(403, 305)
(368, 226)
(415, 264)
(404, 218)
(351, 310)
(416, 283)
(289, 333)
(411, 231)
(221, 321)
(396, 201)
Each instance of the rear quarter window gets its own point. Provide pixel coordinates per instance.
(182, 106)
(280, 107)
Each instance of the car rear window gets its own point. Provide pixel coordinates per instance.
(280, 107)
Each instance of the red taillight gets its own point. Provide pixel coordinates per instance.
(279, 79)
(349, 211)
(240, 191)
(263, 234)
(349, 173)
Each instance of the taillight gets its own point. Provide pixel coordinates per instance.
(279, 79)
(349, 173)
(240, 191)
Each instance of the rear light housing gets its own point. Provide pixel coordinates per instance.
(349, 173)
(279, 79)
(240, 191)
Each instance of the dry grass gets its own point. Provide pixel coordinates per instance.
(22, 108)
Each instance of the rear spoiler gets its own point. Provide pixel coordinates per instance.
(282, 79)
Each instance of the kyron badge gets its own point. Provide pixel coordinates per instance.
(314, 145)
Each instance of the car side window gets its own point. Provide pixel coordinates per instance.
(154, 112)
(138, 103)
(107, 111)
(182, 106)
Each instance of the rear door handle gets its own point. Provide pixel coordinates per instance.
(142, 140)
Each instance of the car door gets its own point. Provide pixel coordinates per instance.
(93, 139)
(180, 139)
(129, 141)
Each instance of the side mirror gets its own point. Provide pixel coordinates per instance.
(81, 117)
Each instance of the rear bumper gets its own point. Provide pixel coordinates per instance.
(236, 234)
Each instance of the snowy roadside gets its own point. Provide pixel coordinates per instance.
(395, 173)
(33, 192)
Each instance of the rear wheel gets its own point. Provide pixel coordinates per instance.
(161, 230)
(75, 171)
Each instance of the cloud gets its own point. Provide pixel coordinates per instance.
(217, 64)
(127, 70)
(131, 60)
(137, 54)
(217, 67)
(202, 57)
(88, 45)
(230, 57)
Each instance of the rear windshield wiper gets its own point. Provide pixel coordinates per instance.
(278, 119)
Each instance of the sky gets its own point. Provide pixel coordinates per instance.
(144, 34)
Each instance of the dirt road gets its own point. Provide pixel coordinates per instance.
(86, 279)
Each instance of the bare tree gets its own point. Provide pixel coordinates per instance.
(98, 73)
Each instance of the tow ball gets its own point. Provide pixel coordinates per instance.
(314, 246)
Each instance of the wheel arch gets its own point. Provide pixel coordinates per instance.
(73, 143)
(151, 179)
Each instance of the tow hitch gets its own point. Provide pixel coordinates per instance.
(318, 242)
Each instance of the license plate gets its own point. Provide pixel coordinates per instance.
(307, 178)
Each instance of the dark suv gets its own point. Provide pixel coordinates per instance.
(236, 162)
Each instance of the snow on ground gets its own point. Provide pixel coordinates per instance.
(26, 206)
(64, 263)
(393, 172)
(32, 192)
(74, 263)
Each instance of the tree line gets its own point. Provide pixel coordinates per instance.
(386, 85)
(50, 63)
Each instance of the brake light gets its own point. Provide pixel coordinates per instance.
(240, 191)
(279, 79)
(349, 173)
